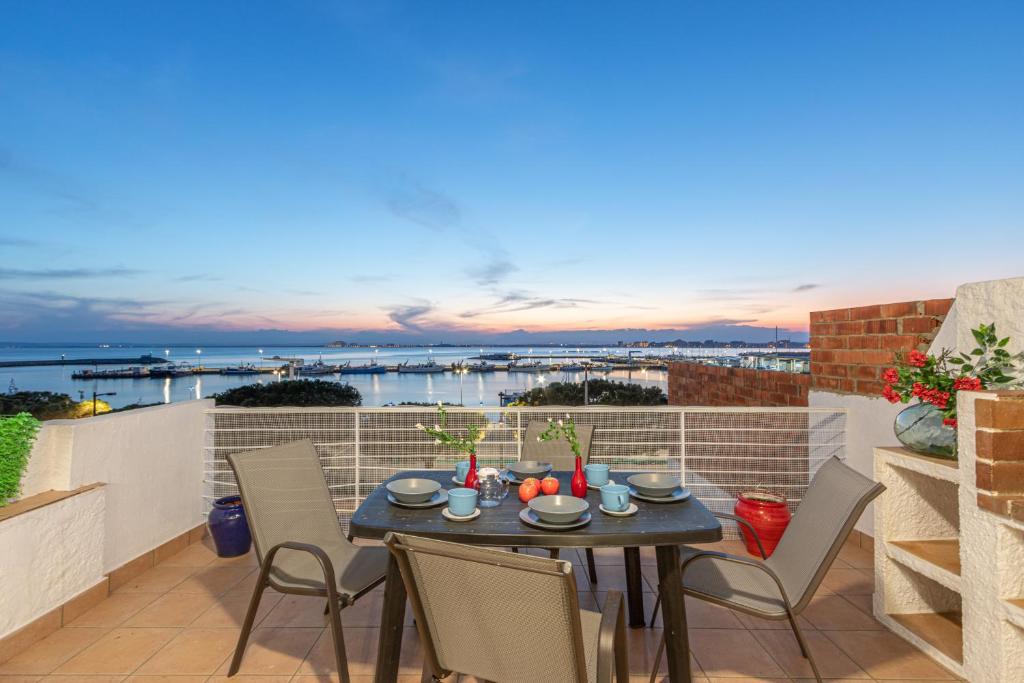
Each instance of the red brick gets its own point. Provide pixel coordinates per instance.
(1017, 510)
(817, 317)
(866, 313)
(997, 504)
(918, 325)
(1006, 413)
(835, 315)
(937, 306)
(999, 445)
(869, 387)
(899, 342)
(1007, 477)
(829, 343)
(899, 310)
(886, 326)
(822, 356)
(865, 342)
(823, 329)
(865, 372)
(848, 328)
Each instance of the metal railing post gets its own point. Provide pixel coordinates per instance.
(357, 416)
(682, 445)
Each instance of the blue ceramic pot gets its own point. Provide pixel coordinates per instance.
(229, 528)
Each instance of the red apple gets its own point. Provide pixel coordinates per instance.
(529, 491)
(549, 485)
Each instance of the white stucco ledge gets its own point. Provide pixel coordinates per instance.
(25, 505)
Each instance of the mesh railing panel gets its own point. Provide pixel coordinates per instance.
(719, 451)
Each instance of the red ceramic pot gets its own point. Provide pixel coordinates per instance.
(768, 514)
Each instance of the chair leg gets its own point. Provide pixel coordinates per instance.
(250, 618)
(657, 660)
(654, 614)
(553, 553)
(804, 649)
(591, 566)
(334, 606)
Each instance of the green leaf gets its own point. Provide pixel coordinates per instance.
(1004, 341)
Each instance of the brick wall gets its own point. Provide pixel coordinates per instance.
(694, 384)
(999, 446)
(850, 347)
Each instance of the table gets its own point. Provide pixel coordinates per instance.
(663, 525)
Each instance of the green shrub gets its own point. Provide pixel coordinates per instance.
(295, 392)
(602, 392)
(17, 434)
(43, 405)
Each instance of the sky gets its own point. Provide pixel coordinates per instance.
(457, 171)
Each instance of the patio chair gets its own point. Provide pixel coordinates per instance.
(561, 457)
(299, 543)
(507, 618)
(781, 586)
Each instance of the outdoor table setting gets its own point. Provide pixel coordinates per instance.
(515, 508)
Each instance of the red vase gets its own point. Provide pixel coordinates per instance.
(579, 480)
(471, 479)
(768, 514)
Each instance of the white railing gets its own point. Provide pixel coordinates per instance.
(718, 451)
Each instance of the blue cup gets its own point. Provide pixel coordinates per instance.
(597, 475)
(461, 470)
(614, 497)
(462, 501)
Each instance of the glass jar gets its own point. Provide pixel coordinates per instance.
(492, 487)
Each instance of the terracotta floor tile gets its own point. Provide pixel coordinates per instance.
(213, 580)
(20, 678)
(193, 651)
(862, 602)
(156, 580)
(52, 651)
(884, 655)
(759, 624)
(643, 647)
(849, 581)
(121, 651)
(166, 679)
(857, 557)
(172, 609)
(114, 610)
(832, 663)
(230, 612)
(84, 678)
(732, 653)
(196, 555)
(298, 610)
(242, 678)
(832, 612)
(361, 650)
(275, 651)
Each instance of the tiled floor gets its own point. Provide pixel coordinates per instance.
(179, 621)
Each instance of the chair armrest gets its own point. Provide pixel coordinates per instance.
(611, 640)
(726, 557)
(749, 527)
(330, 579)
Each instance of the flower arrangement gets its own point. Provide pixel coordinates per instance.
(467, 444)
(937, 379)
(562, 429)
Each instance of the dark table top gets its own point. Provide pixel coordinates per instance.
(653, 524)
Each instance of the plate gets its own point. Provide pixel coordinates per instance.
(460, 482)
(438, 498)
(628, 512)
(447, 514)
(598, 488)
(680, 494)
(529, 517)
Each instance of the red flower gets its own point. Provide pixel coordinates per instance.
(967, 384)
(917, 359)
(917, 390)
(950, 422)
(891, 394)
(891, 375)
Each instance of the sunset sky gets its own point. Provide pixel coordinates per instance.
(445, 170)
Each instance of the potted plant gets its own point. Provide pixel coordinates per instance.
(467, 444)
(929, 426)
(17, 434)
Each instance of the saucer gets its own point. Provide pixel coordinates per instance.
(460, 482)
(530, 517)
(455, 518)
(628, 512)
(680, 494)
(594, 487)
(437, 499)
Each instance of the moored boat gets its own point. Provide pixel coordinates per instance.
(429, 366)
(370, 368)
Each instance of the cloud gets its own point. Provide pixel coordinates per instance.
(514, 302)
(17, 242)
(199, 277)
(423, 206)
(408, 317)
(806, 287)
(65, 273)
(493, 271)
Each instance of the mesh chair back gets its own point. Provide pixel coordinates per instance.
(832, 505)
(557, 452)
(286, 498)
(491, 614)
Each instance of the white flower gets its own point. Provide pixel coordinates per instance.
(420, 427)
(567, 416)
(437, 427)
(560, 423)
(437, 441)
(439, 404)
(539, 439)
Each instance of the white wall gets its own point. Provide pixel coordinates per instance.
(151, 461)
(48, 556)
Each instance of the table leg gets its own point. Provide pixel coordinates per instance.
(673, 614)
(392, 619)
(634, 587)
